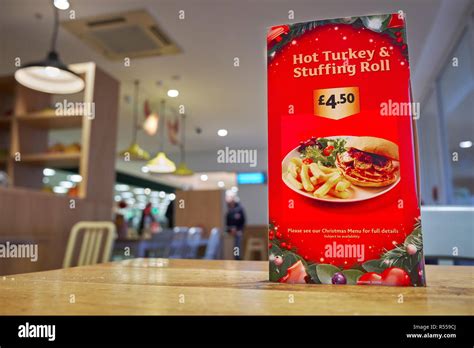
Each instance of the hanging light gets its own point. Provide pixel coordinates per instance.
(50, 75)
(150, 126)
(183, 168)
(161, 164)
(134, 151)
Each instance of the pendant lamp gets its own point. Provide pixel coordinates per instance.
(161, 164)
(183, 168)
(50, 75)
(134, 151)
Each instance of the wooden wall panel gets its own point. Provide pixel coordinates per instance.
(201, 208)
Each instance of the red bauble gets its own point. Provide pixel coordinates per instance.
(395, 21)
(296, 274)
(395, 276)
(370, 278)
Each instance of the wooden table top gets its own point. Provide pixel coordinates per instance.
(194, 287)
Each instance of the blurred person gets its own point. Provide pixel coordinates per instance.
(235, 223)
(146, 221)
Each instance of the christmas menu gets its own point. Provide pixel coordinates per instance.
(343, 195)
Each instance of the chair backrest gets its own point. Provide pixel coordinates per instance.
(93, 242)
(160, 243)
(213, 244)
(178, 244)
(192, 242)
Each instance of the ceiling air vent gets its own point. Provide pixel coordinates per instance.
(132, 34)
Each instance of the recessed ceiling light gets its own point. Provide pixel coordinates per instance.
(173, 93)
(162, 194)
(59, 189)
(48, 172)
(204, 177)
(172, 196)
(234, 189)
(221, 184)
(127, 194)
(66, 184)
(61, 4)
(121, 187)
(465, 144)
(222, 132)
(147, 191)
(74, 178)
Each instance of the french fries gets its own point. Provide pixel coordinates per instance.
(307, 185)
(324, 189)
(293, 182)
(293, 169)
(317, 179)
(326, 170)
(339, 194)
(342, 185)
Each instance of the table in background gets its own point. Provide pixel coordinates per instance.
(157, 286)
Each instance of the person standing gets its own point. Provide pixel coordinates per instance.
(235, 224)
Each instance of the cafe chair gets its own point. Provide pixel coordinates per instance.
(213, 249)
(160, 244)
(255, 245)
(193, 242)
(97, 236)
(178, 244)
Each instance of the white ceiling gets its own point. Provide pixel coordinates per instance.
(216, 94)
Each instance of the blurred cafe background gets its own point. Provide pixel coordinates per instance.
(130, 123)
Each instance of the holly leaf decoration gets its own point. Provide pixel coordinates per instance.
(275, 273)
(313, 274)
(374, 266)
(325, 272)
(352, 275)
(289, 259)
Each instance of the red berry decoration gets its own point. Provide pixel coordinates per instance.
(395, 276)
(411, 249)
(370, 278)
(278, 234)
(397, 34)
(400, 40)
(270, 237)
(270, 245)
(288, 246)
(339, 278)
(404, 47)
(283, 245)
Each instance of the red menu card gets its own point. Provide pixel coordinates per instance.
(343, 196)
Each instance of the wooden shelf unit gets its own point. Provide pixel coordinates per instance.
(50, 121)
(28, 213)
(53, 159)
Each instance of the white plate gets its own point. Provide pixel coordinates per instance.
(359, 193)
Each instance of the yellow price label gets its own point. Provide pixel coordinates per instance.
(336, 103)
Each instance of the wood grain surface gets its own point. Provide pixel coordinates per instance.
(196, 287)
